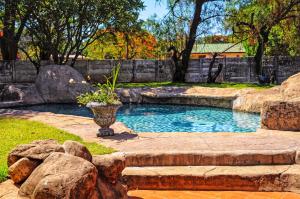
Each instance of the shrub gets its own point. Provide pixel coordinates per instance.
(105, 94)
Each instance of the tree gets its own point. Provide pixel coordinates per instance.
(119, 45)
(212, 76)
(192, 14)
(62, 28)
(256, 19)
(14, 15)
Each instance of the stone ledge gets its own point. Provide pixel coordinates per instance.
(247, 178)
(205, 158)
(281, 115)
(184, 99)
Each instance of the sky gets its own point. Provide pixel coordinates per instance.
(152, 7)
(160, 9)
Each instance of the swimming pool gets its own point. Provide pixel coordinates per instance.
(169, 118)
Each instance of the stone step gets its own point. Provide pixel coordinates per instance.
(206, 158)
(218, 178)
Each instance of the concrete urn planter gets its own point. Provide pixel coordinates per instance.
(104, 116)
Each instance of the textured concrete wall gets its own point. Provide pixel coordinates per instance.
(131, 70)
(234, 70)
(242, 69)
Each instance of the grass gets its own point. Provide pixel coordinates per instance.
(14, 132)
(211, 85)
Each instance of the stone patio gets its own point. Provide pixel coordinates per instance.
(256, 144)
(127, 141)
(149, 194)
(9, 191)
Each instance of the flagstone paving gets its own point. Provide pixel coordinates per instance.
(126, 140)
(9, 191)
(149, 194)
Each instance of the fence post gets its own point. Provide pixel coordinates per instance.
(224, 69)
(133, 70)
(156, 70)
(13, 68)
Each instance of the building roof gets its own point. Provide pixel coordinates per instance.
(217, 48)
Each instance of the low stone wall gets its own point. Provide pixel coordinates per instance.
(235, 70)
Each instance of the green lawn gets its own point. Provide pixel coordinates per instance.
(14, 132)
(212, 85)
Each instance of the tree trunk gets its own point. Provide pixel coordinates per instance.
(127, 46)
(44, 55)
(211, 65)
(9, 45)
(191, 38)
(175, 58)
(213, 77)
(258, 57)
(262, 40)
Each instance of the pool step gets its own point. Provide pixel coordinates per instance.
(211, 158)
(222, 178)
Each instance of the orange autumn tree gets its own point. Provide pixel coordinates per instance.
(116, 45)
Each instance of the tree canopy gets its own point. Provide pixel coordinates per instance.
(59, 28)
(263, 23)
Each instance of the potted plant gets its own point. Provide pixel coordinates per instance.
(104, 103)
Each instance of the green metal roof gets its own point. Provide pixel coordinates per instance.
(217, 48)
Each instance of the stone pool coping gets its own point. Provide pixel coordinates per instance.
(246, 99)
(127, 141)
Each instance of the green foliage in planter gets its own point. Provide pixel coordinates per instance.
(105, 94)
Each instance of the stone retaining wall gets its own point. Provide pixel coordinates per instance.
(235, 70)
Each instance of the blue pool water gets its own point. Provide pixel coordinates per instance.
(169, 118)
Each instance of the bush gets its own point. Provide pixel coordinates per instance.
(105, 94)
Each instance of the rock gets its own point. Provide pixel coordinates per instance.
(290, 88)
(281, 115)
(10, 93)
(9, 190)
(108, 190)
(22, 169)
(19, 94)
(251, 100)
(61, 176)
(38, 150)
(110, 166)
(61, 84)
(110, 169)
(77, 149)
(30, 94)
(132, 95)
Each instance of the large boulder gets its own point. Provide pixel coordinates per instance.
(281, 115)
(77, 149)
(60, 84)
(251, 100)
(38, 150)
(61, 176)
(290, 88)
